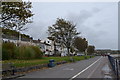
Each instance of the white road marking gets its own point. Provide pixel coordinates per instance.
(93, 70)
(84, 69)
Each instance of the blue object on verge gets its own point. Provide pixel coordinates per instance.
(51, 63)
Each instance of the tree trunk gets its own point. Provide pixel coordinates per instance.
(85, 55)
(68, 51)
(71, 58)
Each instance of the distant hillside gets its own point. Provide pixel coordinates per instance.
(12, 34)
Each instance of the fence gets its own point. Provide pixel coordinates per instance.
(115, 63)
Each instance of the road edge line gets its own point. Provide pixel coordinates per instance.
(84, 69)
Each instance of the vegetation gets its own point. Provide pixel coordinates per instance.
(44, 60)
(90, 49)
(16, 14)
(23, 56)
(63, 32)
(14, 17)
(80, 44)
(8, 51)
(11, 51)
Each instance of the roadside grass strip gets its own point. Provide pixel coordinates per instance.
(44, 60)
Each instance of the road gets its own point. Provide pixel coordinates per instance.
(96, 67)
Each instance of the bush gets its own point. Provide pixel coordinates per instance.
(8, 50)
(29, 52)
(24, 52)
(38, 52)
(11, 51)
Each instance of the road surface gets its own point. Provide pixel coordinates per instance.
(96, 67)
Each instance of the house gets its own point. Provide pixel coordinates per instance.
(51, 48)
(46, 47)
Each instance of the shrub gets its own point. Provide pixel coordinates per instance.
(11, 51)
(16, 52)
(28, 52)
(20, 51)
(38, 52)
(8, 50)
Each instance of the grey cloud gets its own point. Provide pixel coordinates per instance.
(79, 18)
(37, 30)
(97, 24)
(95, 10)
(87, 31)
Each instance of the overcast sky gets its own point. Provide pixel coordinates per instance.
(97, 21)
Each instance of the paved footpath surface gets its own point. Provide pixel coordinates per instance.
(96, 67)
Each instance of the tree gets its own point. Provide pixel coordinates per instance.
(15, 15)
(90, 49)
(63, 33)
(80, 44)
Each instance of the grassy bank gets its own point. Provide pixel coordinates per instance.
(44, 60)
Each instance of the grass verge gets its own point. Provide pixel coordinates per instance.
(44, 60)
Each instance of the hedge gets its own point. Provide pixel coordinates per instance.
(11, 51)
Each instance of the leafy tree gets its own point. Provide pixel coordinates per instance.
(72, 49)
(90, 49)
(63, 33)
(16, 14)
(80, 44)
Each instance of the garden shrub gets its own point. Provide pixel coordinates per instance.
(11, 51)
(8, 50)
(29, 53)
(38, 52)
(16, 53)
(20, 52)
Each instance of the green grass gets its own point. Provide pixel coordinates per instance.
(44, 60)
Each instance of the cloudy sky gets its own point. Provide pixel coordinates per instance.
(97, 21)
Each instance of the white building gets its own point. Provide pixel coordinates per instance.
(17, 42)
(47, 47)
